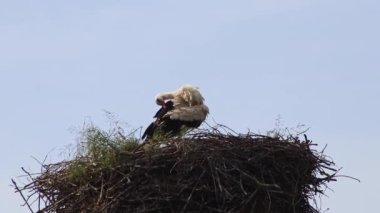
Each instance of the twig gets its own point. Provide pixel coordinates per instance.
(22, 195)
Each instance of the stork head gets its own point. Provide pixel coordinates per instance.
(160, 101)
(162, 97)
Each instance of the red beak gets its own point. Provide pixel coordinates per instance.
(162, 103)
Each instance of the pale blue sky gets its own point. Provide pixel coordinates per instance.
(311, 62)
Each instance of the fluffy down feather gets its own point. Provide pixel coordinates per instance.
(193, 113)
(186, 95)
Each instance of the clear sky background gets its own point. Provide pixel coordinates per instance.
(311, 62)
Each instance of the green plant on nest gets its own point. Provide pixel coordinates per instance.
(100, 149)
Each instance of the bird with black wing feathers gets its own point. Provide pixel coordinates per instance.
(181, 109)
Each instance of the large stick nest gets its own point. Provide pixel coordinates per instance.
(204, 172)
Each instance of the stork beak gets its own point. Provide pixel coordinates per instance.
(162, 104)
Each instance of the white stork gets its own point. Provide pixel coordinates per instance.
(183, 108)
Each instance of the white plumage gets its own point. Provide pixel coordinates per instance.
(186, 109)
(186, 95)
(193, 113)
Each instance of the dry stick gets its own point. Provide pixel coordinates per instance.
(101, 193)
(28, 173)
(192, 191)
(346, 176)
(242, 187)
(39, 201)
(19, 191)
(257, 181)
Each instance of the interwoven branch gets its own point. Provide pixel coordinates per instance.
(203, 172)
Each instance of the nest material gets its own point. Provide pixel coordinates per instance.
(206, 172)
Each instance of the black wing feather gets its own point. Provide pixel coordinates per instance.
(149, 132)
